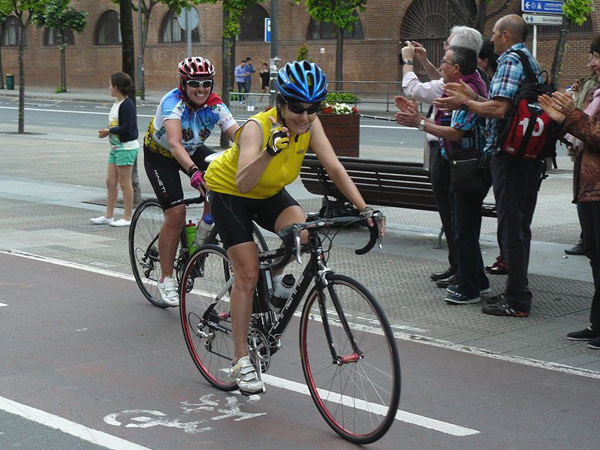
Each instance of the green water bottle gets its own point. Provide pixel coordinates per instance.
(190, 234)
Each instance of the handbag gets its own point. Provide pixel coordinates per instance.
(465, 171)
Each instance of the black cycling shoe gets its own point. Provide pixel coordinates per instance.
(441, 275)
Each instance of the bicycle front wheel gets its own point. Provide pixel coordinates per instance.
(145, 227)
(350, 360)
(205, 316)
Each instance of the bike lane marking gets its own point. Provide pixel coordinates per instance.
(66, 426)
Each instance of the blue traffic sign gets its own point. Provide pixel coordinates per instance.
(543, 7)
(268, 29)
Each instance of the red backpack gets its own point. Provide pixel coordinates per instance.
(527, 131)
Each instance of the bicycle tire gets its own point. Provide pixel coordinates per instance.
(214, 238)
(359, 397)
(208, 333)
(145, 226)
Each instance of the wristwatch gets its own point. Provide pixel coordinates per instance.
(421, 126)
(408, 62)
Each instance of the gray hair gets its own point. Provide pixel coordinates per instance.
(466, 37)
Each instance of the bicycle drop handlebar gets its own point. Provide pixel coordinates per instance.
(290, 235)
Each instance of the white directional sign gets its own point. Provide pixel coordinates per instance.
(188, 18)
(542, 19)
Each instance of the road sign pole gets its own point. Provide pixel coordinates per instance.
(535, 42)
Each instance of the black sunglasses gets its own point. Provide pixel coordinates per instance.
(297, 108)
(197, 83)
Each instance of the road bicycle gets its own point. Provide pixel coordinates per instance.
(348, 352)
(146, 224)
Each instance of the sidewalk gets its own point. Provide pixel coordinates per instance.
(49, 187)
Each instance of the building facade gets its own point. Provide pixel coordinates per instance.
(371, 49)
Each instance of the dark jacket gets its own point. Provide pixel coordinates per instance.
(127, 129)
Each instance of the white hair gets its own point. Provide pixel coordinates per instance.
(466, 37)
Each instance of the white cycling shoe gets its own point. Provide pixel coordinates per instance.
(168, 291)
(246, 377)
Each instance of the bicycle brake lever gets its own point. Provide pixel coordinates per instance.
(297, 241)
(379, 218)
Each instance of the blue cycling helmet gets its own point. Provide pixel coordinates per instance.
(302, 81)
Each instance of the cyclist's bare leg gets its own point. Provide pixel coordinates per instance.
(244, 259)
(169, 238)
(127, 189)
(290, 215)
(112, 186)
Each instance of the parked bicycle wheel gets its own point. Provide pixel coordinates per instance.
(205, 317)
(355, 383)
(145, 226)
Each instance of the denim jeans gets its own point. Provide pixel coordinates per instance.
(590, 224)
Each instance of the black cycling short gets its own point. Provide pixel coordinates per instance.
(233, 215)
(163, 174)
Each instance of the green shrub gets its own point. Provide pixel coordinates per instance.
(341, 97)
(303, 53)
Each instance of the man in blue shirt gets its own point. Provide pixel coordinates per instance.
(515, 181)
(240, 78)
(248, 71)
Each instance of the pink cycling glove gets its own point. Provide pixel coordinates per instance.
(197, 179)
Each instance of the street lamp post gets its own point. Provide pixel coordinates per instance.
(141, 54)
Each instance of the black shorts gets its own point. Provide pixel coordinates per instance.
(163, 174)
(233, 215)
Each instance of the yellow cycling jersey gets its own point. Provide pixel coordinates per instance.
(281, 171)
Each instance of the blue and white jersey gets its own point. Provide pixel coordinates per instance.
(196, 125)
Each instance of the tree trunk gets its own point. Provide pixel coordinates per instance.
(226, 46)
(339, 60)
(128, 65)
(63, 63)
(559, 52)
(21, 113)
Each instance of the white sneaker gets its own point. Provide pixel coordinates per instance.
(246, 377)
(102, 220)
(168, 291)
(121, 223)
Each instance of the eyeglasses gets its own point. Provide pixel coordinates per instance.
(443, 61)
(197, 83)
(297, 108)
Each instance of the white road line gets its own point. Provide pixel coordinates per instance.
(398, 335)
(3, 304)
(74, 429)
(99, 113)
(403, 416)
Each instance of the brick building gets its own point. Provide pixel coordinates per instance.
(371, 50)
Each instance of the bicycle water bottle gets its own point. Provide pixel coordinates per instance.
(204, 227)
(190, 234)
(282, 289)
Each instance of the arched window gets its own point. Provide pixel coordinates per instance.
(171, 31)
(10, 38)
(427, 22)
(51, 37)
(108, 31)
(326, 30)
(252, 23)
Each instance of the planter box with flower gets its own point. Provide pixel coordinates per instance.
(341, 123)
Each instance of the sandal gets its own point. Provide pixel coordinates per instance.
(498, 268)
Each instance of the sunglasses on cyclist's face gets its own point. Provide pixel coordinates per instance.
(297, 108)
(196, 83)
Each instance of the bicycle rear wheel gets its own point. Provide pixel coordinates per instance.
(145, 227)
(205, 316)
(357, 388)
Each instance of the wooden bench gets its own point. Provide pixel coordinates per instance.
(398, 184)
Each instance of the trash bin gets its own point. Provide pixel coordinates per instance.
(10, 81)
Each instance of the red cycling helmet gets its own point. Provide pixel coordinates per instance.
(196, 67)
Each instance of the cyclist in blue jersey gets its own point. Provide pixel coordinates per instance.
(185, 118)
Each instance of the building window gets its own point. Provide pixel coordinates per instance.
(10, 38)
(51, 37)
(326, 30)
(171, 31)
(252, 24)
(108, 29)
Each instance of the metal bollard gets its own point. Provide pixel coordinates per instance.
(10, 81)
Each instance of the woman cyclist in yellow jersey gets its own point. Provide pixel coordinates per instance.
(248, 181)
